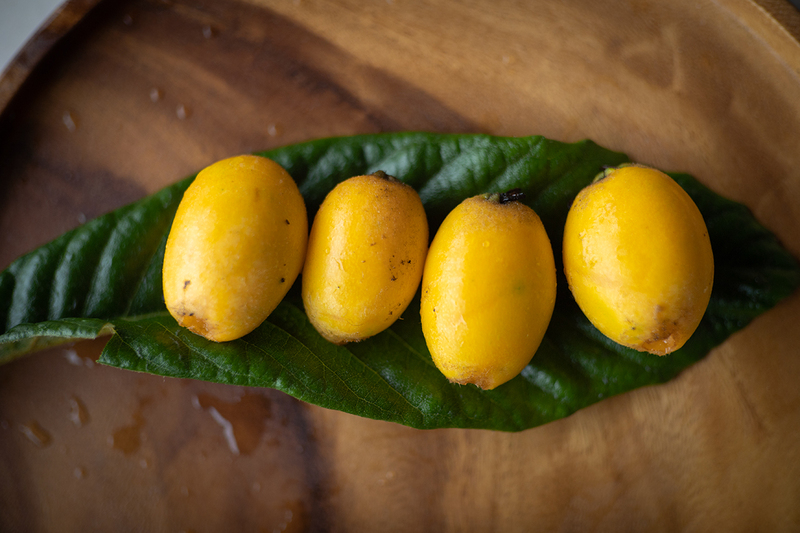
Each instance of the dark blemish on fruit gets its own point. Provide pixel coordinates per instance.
(196, 325)
(394, 278)
(186, 283)
(191, 314)
(287, 221)
(283, 280)
(390, 313)
(373, 244)
(258, 193)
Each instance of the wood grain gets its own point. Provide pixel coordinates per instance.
(142, 92)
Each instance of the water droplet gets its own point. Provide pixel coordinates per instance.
(36, 434)
(242, 421)
(128, 439)
(227, 430)
(209, 32)
(288, 515)
(127, 20)
(275, 130)
(156, 94)
(185, 491)
(143, 463)
(79, 472)
(183, 111)
(510, 59)
(78, 412)
(70, 121)
(390, 474)
(73, 357)
(81, 218)
(256, 486)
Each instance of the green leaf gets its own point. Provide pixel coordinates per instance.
(106, 276)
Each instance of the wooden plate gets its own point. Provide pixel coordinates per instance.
(114, 100)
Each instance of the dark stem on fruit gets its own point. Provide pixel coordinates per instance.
(384, 176)
(514, 195)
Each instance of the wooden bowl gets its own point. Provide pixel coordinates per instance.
(113, 100)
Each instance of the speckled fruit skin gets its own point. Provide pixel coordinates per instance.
(638, 259)
(488, 291)
(365, 257)
(236, 245)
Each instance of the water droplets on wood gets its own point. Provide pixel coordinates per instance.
(128, 439)
(287, 519)
(183, 111)
(78, 413)
(70, 120)
(227, 430)
(36, 434)
(209, 32)
(242, 422)
(71, 355)
(509, 59)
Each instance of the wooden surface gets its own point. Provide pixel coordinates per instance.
(140, 93)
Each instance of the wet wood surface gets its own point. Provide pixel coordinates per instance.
(127, 97)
